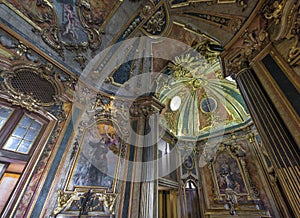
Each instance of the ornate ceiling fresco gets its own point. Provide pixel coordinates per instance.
(81, 28)
(75, 32)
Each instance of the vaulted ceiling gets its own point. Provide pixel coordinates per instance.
(73, 31)
(96, 40)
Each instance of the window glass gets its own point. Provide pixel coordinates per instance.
(4, 115)
(23, 136)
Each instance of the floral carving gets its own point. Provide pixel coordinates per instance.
(156, 23)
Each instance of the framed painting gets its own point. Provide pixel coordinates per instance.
(228, 174)
(97, 159)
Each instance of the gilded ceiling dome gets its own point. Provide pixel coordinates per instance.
(198, 100)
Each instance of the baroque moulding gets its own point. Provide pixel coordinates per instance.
(157, 22)
(254, 41)
(286, 18)
(46, 20)
(20, 50)
(194, 3)
(251, 43)
(145, 107)
(227, 22)
(85, 202)
(102, 108)
(13, 77)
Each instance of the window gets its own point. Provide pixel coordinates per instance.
(5, 113)
(21, 142)
(20, 131)
(23, 136)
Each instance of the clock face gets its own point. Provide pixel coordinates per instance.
(175, 103)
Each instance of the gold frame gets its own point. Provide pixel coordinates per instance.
(113, 123)
(15, 94)
(217, 193)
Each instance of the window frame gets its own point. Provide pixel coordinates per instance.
(9, 127)
(2, 171)
(31, 159)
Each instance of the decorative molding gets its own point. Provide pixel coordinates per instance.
(145, 107)
(254, 41)
(274, 11)
(251, 43)
(157, 22)
(232, 200)
(286, 23)
(229, 23)
(46, 22)
(84, 203)
(209, 50)
(32, 100)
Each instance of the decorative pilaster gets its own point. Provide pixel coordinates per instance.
(279, 143)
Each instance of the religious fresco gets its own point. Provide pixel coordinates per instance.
(66, 10)
(71, 30)
(228, 174)
(67, 24)
(97, 159)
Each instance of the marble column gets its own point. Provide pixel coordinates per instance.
(142, 190)
(279, 143)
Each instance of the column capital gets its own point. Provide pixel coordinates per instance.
(145, 106)
(237, 66)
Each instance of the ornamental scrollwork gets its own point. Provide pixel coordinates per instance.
(232, 200)
(26, 101)
(254, 41)
(274, 11)
(71, 25)
(209, 50)
(155, 25)
(145, 107)
(23, 83)
(85, 202)
(64, 200)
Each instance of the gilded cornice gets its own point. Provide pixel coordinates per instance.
(269, 23)
(284, 18)
(249, 41)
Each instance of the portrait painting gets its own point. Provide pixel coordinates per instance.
(98, 157)
(229, 174)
